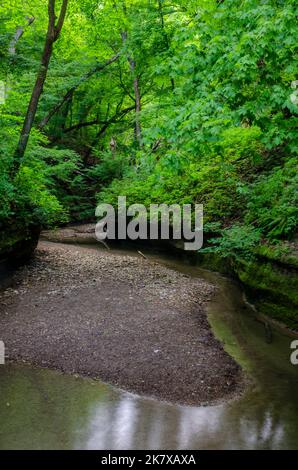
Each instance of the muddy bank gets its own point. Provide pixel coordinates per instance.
(126, 320)
(80, 233)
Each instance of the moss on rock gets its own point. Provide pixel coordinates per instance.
(16, 245)
(273, 287)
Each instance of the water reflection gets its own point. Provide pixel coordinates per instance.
(112, 425)
(42, 409)
(135, 423)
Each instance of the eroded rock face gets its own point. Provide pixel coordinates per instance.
(16, 248)
(270, 280)
(272, 285)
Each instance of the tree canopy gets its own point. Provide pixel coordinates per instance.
(161, 101)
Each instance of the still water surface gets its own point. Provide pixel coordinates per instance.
(42, 409)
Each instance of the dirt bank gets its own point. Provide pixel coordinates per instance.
(126, 320)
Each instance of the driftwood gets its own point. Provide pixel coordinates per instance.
(142, 254)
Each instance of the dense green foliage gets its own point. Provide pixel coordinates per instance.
(217, 115)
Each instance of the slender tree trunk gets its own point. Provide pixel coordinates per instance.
(136, 87)
(18, 34)
(137, 94)
(12, 49)
(65, 113)
(165, 35)
(138, 108)
(115, 118)
(52, 35)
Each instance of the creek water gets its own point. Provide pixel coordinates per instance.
(43, 409)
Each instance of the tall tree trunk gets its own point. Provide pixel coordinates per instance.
(115, 118)
(18, 34)
(138, 130)
(165, 35)
(65, 111)
(136, 86)
(12, 49)
(137, 94)
(52, 36)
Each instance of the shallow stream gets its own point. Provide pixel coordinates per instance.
(43, 409)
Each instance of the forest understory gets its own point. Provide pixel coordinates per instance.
(164, 102)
